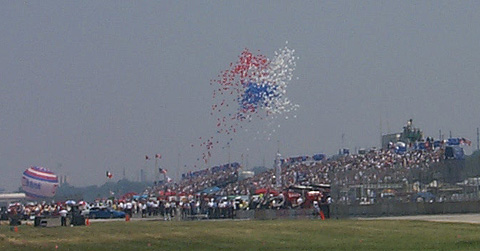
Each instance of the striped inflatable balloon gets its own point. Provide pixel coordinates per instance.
(39, 182)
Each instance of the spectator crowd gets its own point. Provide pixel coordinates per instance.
(220, 191)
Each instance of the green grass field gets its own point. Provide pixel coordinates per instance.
(247, 235)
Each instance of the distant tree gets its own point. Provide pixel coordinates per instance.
(107, 190)
(259, 169)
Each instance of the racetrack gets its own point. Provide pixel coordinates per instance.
(456, 218)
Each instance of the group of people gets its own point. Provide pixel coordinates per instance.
(191, 195)
(17, 212)
(29, 210)
(386, 166)
(144, 207)
(383, 166)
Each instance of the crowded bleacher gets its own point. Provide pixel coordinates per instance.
(400, 170)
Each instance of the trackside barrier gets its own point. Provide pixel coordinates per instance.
(375, 210)
(41, 221)
(399, 209)
(272, 214)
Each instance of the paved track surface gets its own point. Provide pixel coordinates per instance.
(459, 218)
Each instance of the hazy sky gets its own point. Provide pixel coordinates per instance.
(91, 86)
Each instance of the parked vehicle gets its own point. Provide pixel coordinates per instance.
(104, 213)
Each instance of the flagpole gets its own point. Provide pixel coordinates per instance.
(157, 174)
(142, 173)
(229, 160)
(177, 178)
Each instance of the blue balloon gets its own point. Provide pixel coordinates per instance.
(256, 95)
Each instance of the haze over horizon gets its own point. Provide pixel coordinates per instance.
(94, 86)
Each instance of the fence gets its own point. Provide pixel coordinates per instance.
(399, 209)
(374, 210)
(272, 214)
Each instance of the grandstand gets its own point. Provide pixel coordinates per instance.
(407, 169)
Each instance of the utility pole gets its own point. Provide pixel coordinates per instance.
(478, 140)
(278, 171)
(381, 133)
(177, 172)
(278, 168)
(229, 155)
(156, 171)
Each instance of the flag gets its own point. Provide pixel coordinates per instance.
(161, 170)
(109, 175)
(465, 141)
(158, 156)
(146, 157)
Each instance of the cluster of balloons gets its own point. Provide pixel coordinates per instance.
(254, 87)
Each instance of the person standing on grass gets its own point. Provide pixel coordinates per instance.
(316, 209)
(139, 207)
(173, 209)
(168, 215)
(144, 210)
(129, 208)
(63, 214)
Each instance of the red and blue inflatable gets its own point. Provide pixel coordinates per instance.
(39, 182)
